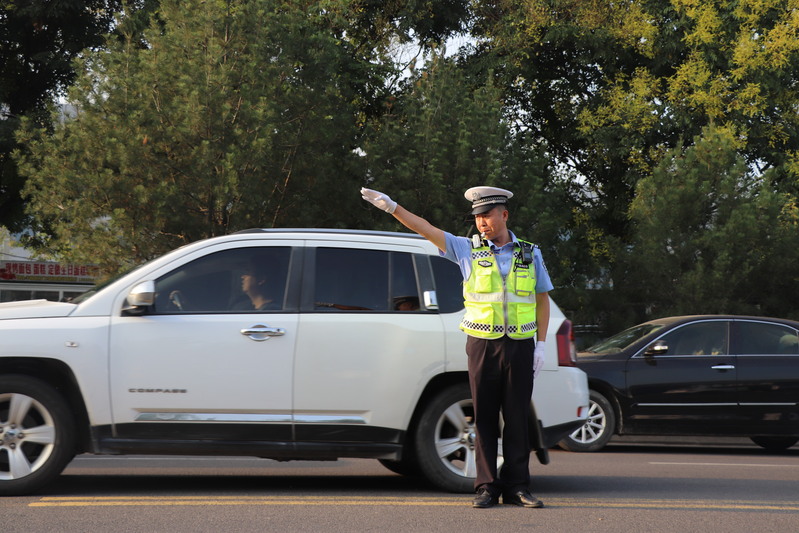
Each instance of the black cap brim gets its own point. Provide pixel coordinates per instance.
(487, 207)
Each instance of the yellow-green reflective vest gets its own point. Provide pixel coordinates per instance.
(497, 306)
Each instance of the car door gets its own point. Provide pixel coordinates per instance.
(768, 373)
(203, 362)
(368, 344)
(690, 387)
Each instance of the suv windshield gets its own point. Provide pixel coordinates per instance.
(97, 288)
(622, 340)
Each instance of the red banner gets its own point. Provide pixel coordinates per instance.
(45, 271)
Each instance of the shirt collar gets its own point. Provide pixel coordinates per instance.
(513, 242)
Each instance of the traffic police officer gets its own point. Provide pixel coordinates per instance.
(507, 305)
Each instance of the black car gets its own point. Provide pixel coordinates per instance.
(708, 375)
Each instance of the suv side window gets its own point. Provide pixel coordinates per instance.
(364, 280)
(403, 287)
(240, 280)
(449, 284)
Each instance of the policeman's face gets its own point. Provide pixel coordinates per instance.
(492, 223)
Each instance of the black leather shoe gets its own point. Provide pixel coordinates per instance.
(522, 498)
(484, 499)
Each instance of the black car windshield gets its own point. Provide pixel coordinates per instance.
(622, 340)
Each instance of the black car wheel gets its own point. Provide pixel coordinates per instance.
(598, 428)
(37, 434)
(775, 444)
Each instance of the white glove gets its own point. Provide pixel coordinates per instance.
(538, 357)
(379, 200)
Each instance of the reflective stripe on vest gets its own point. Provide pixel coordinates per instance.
(497, 306)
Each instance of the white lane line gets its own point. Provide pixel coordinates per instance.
(723, 464)
(162, 458)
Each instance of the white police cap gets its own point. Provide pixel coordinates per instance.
(486, 198)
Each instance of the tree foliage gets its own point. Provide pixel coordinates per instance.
(652, 145)
(609, 89)
(708, 230)
(433, 140)
(235, 114)
(38, 41)
(437, 138)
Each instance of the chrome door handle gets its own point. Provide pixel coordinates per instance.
(723, 367)
(259, 332)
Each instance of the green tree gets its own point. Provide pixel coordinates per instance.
(38, 41)
(611, 86)
(607, 89)
(236, 114)
(434, 141)
(441, 135)
(437, 138)
(246, 113)
(707, 229)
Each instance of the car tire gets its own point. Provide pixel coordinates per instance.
(598, 428)
(775, 444)
(445, 438)
(37, 438)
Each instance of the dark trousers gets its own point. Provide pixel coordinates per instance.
(501, 378)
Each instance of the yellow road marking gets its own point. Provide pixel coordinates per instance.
(101, 501)
(332, 501)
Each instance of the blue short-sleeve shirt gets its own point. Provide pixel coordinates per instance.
(459, 250)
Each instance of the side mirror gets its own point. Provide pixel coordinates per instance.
(657, 348)
(140, 297)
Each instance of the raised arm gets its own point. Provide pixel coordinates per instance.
(413, 222)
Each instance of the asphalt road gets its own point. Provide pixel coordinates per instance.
(708, 487)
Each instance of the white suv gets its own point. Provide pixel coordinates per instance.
(353, 351)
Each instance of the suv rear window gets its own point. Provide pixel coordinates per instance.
(449, 285)
(364, 280)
